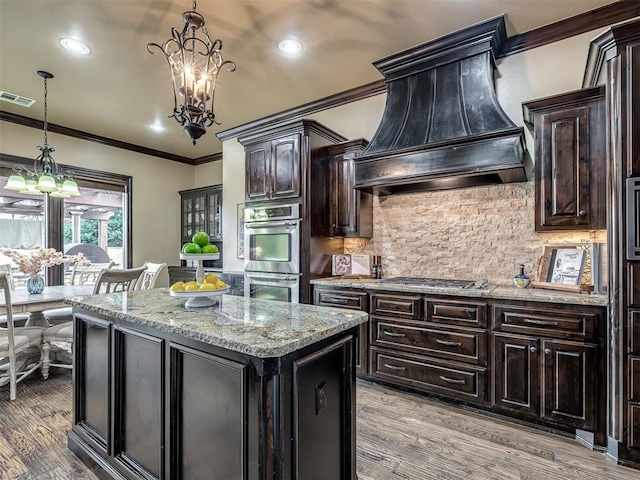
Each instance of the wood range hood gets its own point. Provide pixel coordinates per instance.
(443, 127)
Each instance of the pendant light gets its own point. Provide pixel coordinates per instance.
(194, 64)
(47, 176)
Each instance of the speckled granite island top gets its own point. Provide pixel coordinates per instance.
(492, 291)
(255, 327)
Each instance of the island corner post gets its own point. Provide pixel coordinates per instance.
(175, 395)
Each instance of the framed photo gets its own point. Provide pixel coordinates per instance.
(240, 230)
(567, 266)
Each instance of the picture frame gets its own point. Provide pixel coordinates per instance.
(567, 267)
(240, 214)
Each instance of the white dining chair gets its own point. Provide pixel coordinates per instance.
(80, 275)
(148, 279)
(109, 280)
(14, 345)
(19, 319)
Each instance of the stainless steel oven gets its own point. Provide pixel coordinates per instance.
(272, 252)
(284, 287)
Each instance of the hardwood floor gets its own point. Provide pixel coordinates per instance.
(399, 436)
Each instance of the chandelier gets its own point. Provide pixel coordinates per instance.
(194, 64)
(46, 176)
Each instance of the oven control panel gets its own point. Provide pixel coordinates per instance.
(279, 212)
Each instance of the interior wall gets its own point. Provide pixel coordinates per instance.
(207, 174)
(232, 200)
(481, 232)
(155, 201)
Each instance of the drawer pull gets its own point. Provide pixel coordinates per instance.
(453, 380)
(540, 322)
(394, 367)
(448, 343)
(391, 334)
(341, 301)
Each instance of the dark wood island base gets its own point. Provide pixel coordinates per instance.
(152, 404)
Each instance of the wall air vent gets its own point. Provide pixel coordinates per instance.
(17, 99)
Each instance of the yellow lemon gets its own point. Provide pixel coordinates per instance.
(192, 282)
(178, 287)
(191, 287)
(211, 278)
(220, 284)
(207, 286)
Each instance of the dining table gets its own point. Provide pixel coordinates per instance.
(35, 303)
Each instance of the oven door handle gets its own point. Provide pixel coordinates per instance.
(274, 278)
(284, 223)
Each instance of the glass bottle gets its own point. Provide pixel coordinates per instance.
(521, 280)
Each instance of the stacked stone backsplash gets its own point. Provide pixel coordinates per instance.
(472, 233)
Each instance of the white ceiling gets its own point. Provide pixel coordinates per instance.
(119, 89)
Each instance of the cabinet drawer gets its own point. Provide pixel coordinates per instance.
(399, 306)
(455, 312)
(453, 344)
(463, 382)
(547, 322)
(341, 298)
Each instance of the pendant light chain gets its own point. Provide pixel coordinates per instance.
(46, 143)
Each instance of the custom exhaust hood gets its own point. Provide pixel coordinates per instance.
(442, 126)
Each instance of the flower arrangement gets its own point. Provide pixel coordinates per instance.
(35, 261)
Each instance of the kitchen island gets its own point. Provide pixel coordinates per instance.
(243, 389)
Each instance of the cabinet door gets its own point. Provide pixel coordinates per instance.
(285, 167)
(515, 375)
(214, 215)
(343, 214)
(563, 169)
(257, 171)
(569, 389)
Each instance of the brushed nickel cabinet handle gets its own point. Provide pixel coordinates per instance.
(547, 351)
(447, 343)
(391, 334)
(394, 367)
(540, 322)
(582, 213)
(452, 380)
(533, 349)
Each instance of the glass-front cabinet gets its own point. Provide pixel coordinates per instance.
(201, 211)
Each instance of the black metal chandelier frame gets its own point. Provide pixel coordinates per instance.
(194, 64)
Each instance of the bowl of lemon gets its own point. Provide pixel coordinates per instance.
(202, 294)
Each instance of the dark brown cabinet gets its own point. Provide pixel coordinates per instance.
(429, 351)
(201, 211)
(570, 160)
(273, 169)
(548, 365)
(356, 300)
(349, 211)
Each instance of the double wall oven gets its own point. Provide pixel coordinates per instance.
(272, 252)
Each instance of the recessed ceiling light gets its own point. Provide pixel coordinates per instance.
(290, 47)
(75, 46)
(156, 127)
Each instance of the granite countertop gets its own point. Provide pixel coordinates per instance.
(503, 292)
(260, 328)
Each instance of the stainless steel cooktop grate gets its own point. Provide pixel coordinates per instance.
(430, 282)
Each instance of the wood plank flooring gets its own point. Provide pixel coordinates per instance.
(399, 436)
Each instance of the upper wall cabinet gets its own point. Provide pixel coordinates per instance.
(570, 160)
(278, 158)
(273, 169)
(349, 211)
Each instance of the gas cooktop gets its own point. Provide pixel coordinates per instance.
(430, 282)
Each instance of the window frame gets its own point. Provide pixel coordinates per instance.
(53, 207)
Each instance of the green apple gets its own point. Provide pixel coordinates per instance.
(200, 238)
(191, 248)
(210, 249)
